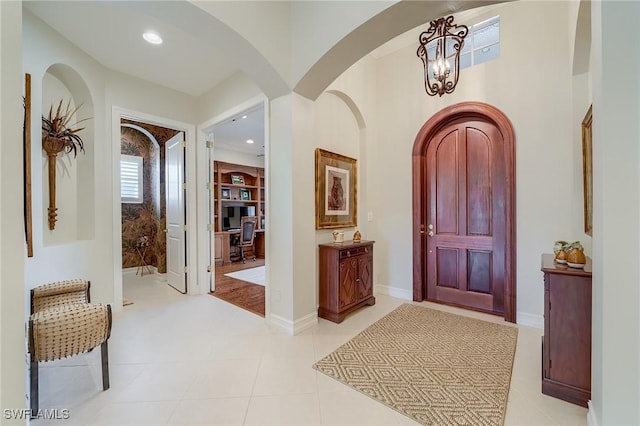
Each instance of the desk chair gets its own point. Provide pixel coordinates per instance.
(247, 236)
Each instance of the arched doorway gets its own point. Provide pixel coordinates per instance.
(464, 210)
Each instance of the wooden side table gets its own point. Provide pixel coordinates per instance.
(566, 345)
(346, 278)
(141, 248)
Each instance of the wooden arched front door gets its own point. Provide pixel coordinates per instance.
(464, 210)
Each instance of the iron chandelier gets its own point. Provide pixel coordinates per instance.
(440, 48)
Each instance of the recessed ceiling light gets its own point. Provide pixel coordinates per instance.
(249, 140)
(152, 37)
(244, 116)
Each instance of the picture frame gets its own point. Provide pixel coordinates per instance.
(225, 194)
(26, 145)
(587, 170)
(336, 190)
(245, 194)
(237, 179)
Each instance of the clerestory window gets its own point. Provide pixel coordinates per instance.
(482, 44)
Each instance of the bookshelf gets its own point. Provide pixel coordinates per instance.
(236, 185)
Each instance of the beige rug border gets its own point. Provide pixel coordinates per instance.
(314, 366)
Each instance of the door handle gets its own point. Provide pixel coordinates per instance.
(430, 233)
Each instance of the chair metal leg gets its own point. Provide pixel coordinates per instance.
(33, 398)
(104, 352)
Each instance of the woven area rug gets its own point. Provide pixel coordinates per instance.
(435, 367)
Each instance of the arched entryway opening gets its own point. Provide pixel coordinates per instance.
(464, 210)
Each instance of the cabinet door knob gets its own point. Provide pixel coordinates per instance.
(348, 253)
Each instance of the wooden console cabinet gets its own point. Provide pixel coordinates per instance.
(221, 248)
(566, 345)
(346, 278)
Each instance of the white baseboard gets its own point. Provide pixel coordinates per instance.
(530, 320)
(396, 292)
(294, 327)
(592, 420)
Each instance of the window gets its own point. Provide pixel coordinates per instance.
(131, 179)
(483, 44)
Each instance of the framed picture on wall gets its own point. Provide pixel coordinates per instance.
(336, 190)
(26, 145)
(237, 179)
(587, 172)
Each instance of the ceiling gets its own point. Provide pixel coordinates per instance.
(111, 33)
(232, 134)
(182, 62)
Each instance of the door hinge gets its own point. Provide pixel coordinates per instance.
(183, 144)
(209, 144)
(210, 227)
(211, 185)
(184, 227)
(186, 269)
(184, 185)
(208, 268)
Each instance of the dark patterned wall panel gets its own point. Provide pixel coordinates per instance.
(146, 219)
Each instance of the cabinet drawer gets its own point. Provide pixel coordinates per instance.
(357, 251)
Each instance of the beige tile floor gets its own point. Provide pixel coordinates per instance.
(196, 360)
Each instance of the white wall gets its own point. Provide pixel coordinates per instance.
(266, 25)
(42, 48)
(616, 230)
(234, 91)
(132, 93)
(12, 291)
(92, 258)
(518, 83)
(280, 211)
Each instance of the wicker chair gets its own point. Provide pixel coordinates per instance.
(64, 323)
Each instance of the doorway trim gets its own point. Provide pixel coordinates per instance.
(464, 110)
(206, 266)
(117, 114)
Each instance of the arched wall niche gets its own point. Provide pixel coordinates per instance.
(341, 128)
(582, 42)
(75, 195)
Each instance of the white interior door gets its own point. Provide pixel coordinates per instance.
(176, 233)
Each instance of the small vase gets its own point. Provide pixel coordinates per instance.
(576, 258)
(561, 256)
(338, 236)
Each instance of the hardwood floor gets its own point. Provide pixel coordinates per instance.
(243, 294)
